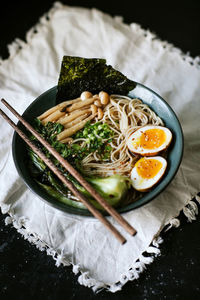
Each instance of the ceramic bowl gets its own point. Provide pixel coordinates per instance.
(153, 100)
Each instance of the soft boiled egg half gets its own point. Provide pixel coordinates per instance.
(147, 172)
(149, 140)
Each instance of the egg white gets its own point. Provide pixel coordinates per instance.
(142, 184)
(136, 148)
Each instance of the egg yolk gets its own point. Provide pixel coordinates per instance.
(148, 168)
(152, 138)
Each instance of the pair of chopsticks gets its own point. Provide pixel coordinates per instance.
(74, 173)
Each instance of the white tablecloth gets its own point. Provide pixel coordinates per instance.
(32, 68)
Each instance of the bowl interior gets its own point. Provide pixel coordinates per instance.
(154, 101)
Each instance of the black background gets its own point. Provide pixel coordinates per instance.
(27, 273)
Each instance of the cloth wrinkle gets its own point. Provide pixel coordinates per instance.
(47, 223)
(183, 176)
(74, 262)
(82, 241)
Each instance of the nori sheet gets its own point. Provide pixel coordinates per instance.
(80, 74)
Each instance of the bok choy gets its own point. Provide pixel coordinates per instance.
(113, 188)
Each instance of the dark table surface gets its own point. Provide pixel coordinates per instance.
(27, 273)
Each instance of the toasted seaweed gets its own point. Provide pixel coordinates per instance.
(79, 74)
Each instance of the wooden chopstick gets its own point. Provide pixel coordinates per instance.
(68, 183)
(74, 173)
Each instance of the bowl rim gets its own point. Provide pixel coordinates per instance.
(146, 198)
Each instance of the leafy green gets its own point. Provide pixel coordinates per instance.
(64, 199)
(78, 74)
(112, 188)
(98, 136)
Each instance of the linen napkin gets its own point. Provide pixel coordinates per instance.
(32, 68)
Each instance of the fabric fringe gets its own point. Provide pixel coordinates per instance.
(166, 45)
(17, 45)
(190, 210)
(146, 258)
(173, 223)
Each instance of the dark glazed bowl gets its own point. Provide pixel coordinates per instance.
(153, 100)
